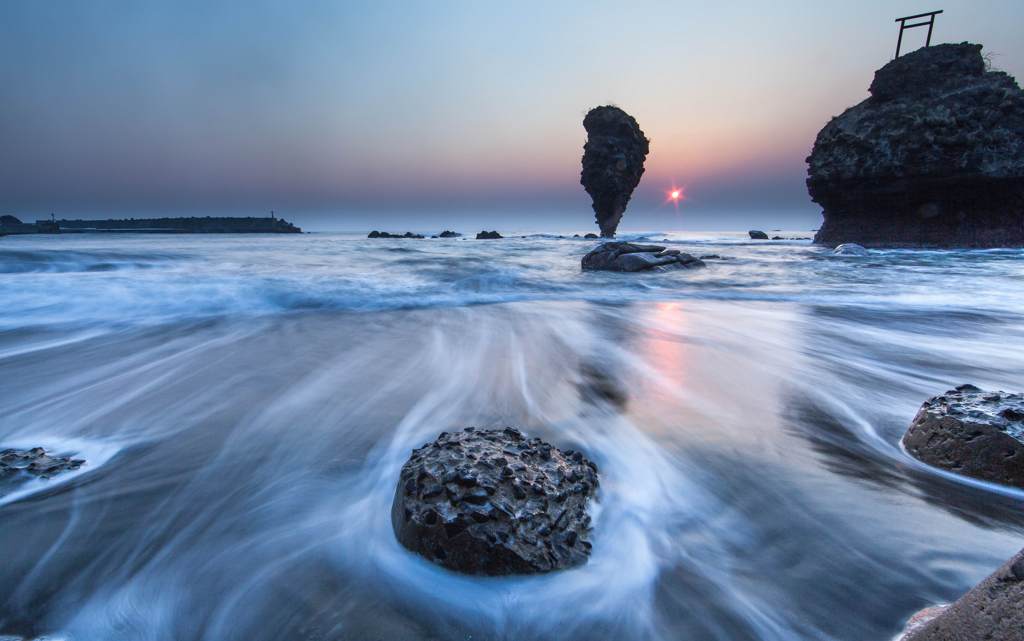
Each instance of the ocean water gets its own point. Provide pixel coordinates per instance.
(244, 404)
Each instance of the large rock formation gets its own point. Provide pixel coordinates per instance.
(972, 432)
(632, 257)
(993, 610)
(613, 162)
(494, 502)
(935, 157)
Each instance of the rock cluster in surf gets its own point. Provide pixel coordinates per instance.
(384, 234)
(934, 157)
(632, 257)
(613, 162)
(495, 502)
(971, 432)
(991, 610)
(35, 462)
(488, 235)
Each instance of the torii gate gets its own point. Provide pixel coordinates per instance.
(930, 22)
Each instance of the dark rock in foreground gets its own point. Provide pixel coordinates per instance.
(488, 235)
(935, 157)
(384, 234)
(993, 610)
(971, 432)
(757, 234)
(494, 502)
(613, 162)
(35, 462)
(630, 257)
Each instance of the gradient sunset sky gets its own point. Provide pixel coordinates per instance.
(416, 115)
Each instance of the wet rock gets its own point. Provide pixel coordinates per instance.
(613, 162)
(495, 502)
(757, 234)
(632, 257)
(449, 234)
(591, 236)
(850, 249)
(488, 235)
(20, 465)
(934, 157)
(971, 432)
(384, 234)
(992, 611)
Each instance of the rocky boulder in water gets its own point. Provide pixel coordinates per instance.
(757, 234)
(17, 466)
(630, 257)
(494, 502)
(613, 162)
(992, 611)
(449, 234)
(384, 234)
(488, 235)
(971, 432)
(935, 157)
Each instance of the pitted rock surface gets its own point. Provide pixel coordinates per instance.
(631, 257)
(613, 162)
(971, 432)
(991, 611)
(17, 466)
(935, 157)
(495, 502)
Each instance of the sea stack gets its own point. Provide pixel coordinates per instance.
(495, 502)
(613, 162)
(933, 158)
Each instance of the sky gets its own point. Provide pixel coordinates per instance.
(348, 115)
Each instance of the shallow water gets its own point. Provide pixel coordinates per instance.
(244, 404)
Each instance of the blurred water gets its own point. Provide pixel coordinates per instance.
(244, 404)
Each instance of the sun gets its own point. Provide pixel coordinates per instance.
(675, 194)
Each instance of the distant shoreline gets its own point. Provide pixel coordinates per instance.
(181, 225)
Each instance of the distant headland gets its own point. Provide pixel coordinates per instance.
(192, 225)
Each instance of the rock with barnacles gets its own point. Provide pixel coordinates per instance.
(613, 162)
(972, 432)
(18, 466)
(495, 502)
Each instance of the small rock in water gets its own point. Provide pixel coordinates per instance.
(850, 249)
(971, 432)
(757, 234)
(35, 462)
(449, 234)
(494, 502)
(630, 257)
(488, 235)
(384, 234)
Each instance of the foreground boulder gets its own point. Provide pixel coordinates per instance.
(993, 610)
(630, 257)
(384, 234)
(488, 235)
(613, 162)
(494, 502)
(935, 157)
(971, 432)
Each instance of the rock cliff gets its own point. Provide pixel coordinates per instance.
(933, 158)
(613, 162)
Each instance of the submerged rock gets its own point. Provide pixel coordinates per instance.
(992, 611)
(935, 157)
(494, 502)
(971, 432)
(630, 257)
(591, 236)
(613, 162)
(384, 234)
(35, 462)
(488, 235)
(850, 249)
(757, 234)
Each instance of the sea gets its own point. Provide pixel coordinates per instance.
(243, 404)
